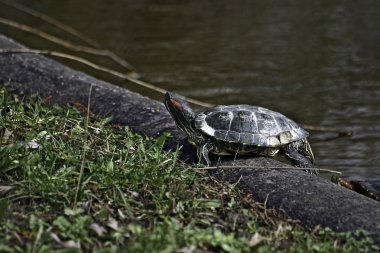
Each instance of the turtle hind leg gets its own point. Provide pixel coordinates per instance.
(203, 151)
(305, 149)
(299, 154)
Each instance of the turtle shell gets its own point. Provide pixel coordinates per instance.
(250, 125)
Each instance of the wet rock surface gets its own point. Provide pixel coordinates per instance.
(310, 199)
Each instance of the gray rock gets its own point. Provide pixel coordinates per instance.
(312, 200)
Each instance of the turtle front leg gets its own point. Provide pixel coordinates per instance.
(299, 154)
(203, 151)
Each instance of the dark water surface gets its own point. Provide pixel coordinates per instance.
(317, 62)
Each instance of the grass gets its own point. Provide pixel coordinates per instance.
(74, 183)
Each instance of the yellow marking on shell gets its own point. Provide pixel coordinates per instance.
(286, 137)
(273, 141)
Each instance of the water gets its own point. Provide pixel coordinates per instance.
(316, 62)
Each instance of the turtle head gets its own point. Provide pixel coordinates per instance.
(181, 112)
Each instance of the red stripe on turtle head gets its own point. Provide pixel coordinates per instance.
(176, 104)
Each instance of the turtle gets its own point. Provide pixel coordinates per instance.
(241, 129)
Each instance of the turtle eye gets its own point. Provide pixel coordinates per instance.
(176, 104)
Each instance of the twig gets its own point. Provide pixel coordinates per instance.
(67, 44)
(328, 129)
(252, 167)
(103, 69)
(265, 205)
(51, 21)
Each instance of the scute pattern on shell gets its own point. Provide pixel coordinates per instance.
(249, 125)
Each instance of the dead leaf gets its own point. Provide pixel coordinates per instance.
(112, 223)
(99, 230)
(255, 239)
(5, 189)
